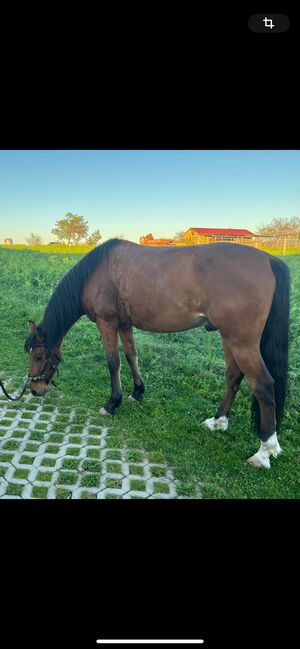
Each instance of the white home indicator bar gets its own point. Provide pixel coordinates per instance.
(150, 641)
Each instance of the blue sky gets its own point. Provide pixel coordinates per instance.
(136, 192)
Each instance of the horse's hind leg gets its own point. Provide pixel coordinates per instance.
(233, 380)
(126, 336)
(262, 384)
(109, 335)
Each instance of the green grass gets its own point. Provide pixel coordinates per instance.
(69, 463)
(33, 448)
(158, 472)
(26, 459)
(63, 493)
(112, 467)
(37, 435)
(184, 375)
(5, 422)
(39, 492)
(138, 485)
(67, 477)
(44, 476)
(136, 470)
(21, 474)
(160, 488)
(90, 480)
(20, 433)
(48, 461)
(135, 456)
(86, 495)
(93, 441)
(14, 490)
(50, 448)
(56, 437)
(73, 450)
(91, 465)
(113, 483)
(11, 444)
(113, 455)
(93, 452)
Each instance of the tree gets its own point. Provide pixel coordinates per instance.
(72, 228)
(34, 240)
(94, 238)
(280, 227)
(179, 236)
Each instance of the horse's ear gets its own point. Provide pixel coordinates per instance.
(32, 326)
(40, 336)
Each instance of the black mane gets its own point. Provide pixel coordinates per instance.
(64, 307)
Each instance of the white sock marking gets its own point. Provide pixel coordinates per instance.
(269, 448)
(216, 424)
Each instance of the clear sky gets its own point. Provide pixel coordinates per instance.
(136, 192)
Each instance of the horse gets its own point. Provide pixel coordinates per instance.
(238, 290)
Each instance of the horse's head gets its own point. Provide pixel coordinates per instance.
(42, 361)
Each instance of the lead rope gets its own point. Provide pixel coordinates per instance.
(21, 393)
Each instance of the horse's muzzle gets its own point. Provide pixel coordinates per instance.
(39, 393)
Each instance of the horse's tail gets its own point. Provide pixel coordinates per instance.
(274, 342)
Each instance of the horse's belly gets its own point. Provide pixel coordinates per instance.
(167, 321)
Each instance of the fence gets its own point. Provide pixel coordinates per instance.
(285, 245)
(282, 245)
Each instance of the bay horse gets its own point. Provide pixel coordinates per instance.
(238, 290)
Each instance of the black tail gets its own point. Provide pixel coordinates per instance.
(274, 342)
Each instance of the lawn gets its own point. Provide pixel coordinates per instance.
(184, 379)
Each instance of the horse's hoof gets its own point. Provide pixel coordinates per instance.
(104, 412)
(209, 424)
(216, 424)
(259, 462)
(131, 398)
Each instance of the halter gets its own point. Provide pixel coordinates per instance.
(36, 377)
(49, 363)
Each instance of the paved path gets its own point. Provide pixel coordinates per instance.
(46, 453)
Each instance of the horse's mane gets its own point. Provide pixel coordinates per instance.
(64, 306)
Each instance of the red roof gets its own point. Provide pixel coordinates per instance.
(225, 231)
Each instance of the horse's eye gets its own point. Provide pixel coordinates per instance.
(38, 358)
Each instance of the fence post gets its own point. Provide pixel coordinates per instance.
(284, 246)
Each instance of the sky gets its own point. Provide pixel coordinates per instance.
(132, 193)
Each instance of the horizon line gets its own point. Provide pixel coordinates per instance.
(150, 641)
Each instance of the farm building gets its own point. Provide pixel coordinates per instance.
(8, 242)
(149, 240)
(207, 235)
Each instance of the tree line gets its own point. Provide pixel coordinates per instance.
(72, 230)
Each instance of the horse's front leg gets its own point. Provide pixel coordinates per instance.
(109, 333)
(126, 336)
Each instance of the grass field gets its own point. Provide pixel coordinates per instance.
(184, 375)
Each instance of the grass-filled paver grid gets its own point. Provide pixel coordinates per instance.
(45, 455)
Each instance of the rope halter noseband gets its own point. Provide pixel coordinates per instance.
(50, 362)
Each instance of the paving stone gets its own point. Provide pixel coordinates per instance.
(73, 460)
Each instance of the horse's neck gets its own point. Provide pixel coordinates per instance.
(56, 328)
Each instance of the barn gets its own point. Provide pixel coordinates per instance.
(208, 235)
(148, 240)
(8, 242)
